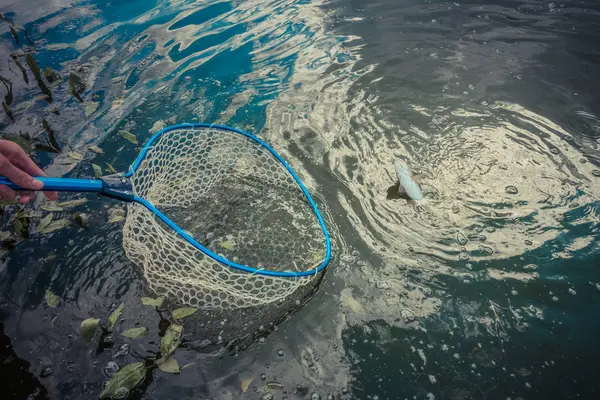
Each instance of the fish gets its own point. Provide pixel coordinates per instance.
(407, 182)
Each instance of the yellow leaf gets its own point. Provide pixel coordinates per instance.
(245, 384)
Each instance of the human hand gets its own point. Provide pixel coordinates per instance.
(17, 167)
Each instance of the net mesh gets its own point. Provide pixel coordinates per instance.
(236, 199)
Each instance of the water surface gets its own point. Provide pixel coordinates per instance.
(486, 290)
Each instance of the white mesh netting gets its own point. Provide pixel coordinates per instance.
(235, 198)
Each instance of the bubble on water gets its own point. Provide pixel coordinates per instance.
(471, 86)
(430, 396)
(596, 173)
(456, 355)
(527, 385)
(263, 377)
(262, 340)
(519, 77)
(482, 237)
(455, 209)
(434, 56)
(465, 93)
(461, 238)
(315, 396)
(267, 396)
(551, 6)
(46, 372)
(530, 266)
(511, 189)
(554, 150)
(490, 229)
(463, 256)
(111, 368)
(528, 242)
(121, 393)
(582, 160)
(572, 291)
(514, 292)
(465, 68)
(554, 298)
(280, 353)
(432, 379)
(433, 21)
(123, 350)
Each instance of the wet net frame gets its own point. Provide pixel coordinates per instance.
(214, 256)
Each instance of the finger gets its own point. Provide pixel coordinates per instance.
(18, 176)
(25, 163)
(25, 196)
(7, 193)
(51, 195)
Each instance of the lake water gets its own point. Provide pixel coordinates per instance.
(488, 290)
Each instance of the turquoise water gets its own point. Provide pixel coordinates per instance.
(487, 290)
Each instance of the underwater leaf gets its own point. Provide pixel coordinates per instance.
(43, 147)
(170, 365)
(19, 227)
(81, 219)
(111, 169)
(88, 328)
(72, 203)
(57, 46)
(95, 149)
(187, 365)
(45, 222)
(14, 33)
(114, 317)
(51, 299)
(21, 67)
(227, 245)
(51, 206)
(245, 384)
(51, 136)
(28, 214)
(51, 75)
(7, 110)
(115, 214)
(125, 379)
(171, 340)
(97, 170)
(117, 103)
(18, 139)
(135, 332)
(34, 67)
(149, 301)
(90, 108)
(183, 312)
(158, 125)
(26, 105)
(128, 136)
(75, 155)
(55, 226)
(4, 235)
(76, 86)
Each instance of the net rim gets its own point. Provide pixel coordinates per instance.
(246, 268)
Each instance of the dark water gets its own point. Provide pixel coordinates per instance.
(488, 290)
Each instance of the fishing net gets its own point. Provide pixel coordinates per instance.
(248, 232)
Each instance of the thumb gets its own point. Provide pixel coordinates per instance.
(19, 177)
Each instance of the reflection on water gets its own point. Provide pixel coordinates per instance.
(483, 290)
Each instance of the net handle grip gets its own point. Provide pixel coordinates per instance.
(61, 184)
